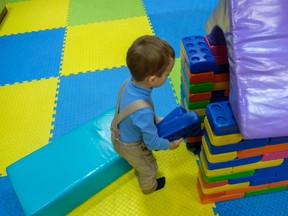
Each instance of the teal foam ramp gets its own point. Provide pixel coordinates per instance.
(58, 177)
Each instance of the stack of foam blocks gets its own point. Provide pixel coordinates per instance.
(204, 77)
(231, 167)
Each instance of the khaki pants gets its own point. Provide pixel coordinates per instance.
(139, 157)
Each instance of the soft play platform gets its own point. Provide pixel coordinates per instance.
(64, 173)
(256, 34)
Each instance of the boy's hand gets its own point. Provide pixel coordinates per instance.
(158, 119)
(175, 144)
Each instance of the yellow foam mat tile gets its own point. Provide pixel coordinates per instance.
(101, 45)
(217, 158)
(34, 15)
(26, 113)
(178, 197)
(222, 188)
(221, 140)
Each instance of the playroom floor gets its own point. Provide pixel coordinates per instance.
(62, 63)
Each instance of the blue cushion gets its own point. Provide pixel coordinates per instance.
(64, 173)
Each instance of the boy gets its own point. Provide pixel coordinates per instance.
(133, 129)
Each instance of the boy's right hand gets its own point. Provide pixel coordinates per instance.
(175, 144)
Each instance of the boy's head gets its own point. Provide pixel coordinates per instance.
(149, 56)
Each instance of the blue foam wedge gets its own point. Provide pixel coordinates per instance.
(179, 123)
(58, 177)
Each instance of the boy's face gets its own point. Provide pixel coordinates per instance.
(162, 79)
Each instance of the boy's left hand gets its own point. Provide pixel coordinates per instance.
(158, 119)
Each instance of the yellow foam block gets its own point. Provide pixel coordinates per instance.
(26, 117)
(221, 140)
(101, 45)
(258, 165)
(220, 86)
(37, 15)
(211, 173)
(201, 112)
(123, 197)
(202, 126)
(216, 158)
(222, 188)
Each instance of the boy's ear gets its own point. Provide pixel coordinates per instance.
(151, 80)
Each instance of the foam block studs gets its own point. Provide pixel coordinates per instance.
(58, 177)
(197, 54)
(221, 118)
(179, 123)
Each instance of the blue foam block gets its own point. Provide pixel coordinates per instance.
(260, 175)
(197, 53)
(243, 144)
(278, 140)
(221, 118)
(58, 177)
(231, 163)
(221, 69)
(218, 96)
(179, 123)
(266, 180)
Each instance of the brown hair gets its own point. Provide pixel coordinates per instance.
(148, 55)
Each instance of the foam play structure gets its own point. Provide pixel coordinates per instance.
(240, 69)
(256, 35)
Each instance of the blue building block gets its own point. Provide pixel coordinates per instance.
(270, 171)
(278, 140)
(218, 96)
(197, 54)
(231, 163)
(260, 176)
(282, 171)
(242, 145)
(221, 118)
(221, 69)
(268, 180)
(179, 123)
(58, 177)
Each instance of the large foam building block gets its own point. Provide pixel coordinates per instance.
(179, 123)
(197, 54)
(58, 177)
(221, 118)
(255, 33)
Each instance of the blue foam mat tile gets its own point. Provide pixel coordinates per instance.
(173, 26)
(172, 5)
(9, 204)
(29, 56)
(83, 96)
(261, 205)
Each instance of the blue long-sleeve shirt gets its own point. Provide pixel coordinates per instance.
(140, 125)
